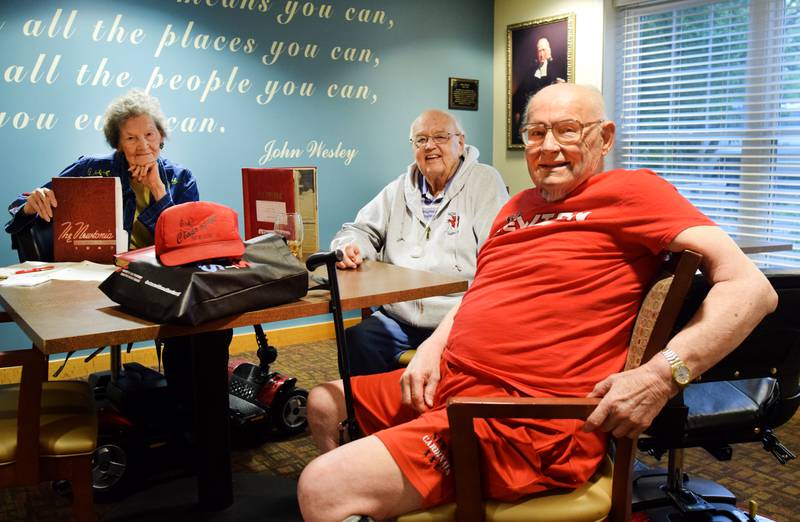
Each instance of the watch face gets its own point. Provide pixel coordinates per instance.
(682, 375)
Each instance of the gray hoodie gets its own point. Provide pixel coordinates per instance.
(392, 228)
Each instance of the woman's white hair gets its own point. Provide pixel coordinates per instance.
(131, 104)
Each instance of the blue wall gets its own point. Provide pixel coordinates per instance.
(410, 48)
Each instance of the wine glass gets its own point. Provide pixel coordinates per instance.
(290, 226)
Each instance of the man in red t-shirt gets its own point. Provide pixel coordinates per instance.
(550, 312)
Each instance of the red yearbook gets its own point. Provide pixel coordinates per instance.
(268, 192)
(87, 223)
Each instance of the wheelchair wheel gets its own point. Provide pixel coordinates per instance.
(289, 412)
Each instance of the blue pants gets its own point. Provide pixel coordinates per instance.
(376, 342)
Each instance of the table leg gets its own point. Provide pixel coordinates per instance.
(116, 361)
(213, 448)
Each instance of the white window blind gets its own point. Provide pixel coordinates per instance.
(708, 96)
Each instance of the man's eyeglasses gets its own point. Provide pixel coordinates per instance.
(565, 132)
(439, 138)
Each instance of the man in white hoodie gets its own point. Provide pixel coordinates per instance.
(434, 217)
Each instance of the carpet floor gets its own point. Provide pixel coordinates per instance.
(752, 474)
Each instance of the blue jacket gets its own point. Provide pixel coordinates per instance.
(178, 180)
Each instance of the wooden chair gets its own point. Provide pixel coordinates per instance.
(607, 496)
(48, 430)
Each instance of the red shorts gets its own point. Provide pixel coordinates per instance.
(519, 456)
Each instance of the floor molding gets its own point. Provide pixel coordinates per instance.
(76, 368)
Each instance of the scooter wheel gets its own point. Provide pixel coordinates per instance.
(289, 412)
(111, 470)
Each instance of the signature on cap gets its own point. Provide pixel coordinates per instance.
(188, 229)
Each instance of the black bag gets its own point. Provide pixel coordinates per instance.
(192, 294)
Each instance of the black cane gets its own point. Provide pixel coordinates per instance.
(329, 259)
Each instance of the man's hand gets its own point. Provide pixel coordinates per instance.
(351, 256)
(631, 400)
(41, 201)
(419, 382)
(147, 175)
(421, 378)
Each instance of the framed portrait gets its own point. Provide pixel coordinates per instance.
(538, 53)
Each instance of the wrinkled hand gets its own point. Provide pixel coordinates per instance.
(147, 175)
(419, 382)
(630, 402)
(351, 256)
(143, 173)
(41, 201)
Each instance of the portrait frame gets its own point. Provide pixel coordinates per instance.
(522, 78)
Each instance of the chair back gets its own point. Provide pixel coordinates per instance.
(661, 307)
(34, 242)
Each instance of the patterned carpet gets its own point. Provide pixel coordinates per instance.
(752, 473)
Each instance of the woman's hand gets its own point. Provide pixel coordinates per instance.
(41, 201)
(147, 175)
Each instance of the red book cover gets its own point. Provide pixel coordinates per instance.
(87, 223)
(267, 192)
(123, 259)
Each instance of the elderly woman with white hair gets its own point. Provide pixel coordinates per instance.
(134, 127)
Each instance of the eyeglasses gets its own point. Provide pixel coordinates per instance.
(565, 132)
(439, 138)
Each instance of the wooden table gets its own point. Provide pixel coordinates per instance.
(60, 316)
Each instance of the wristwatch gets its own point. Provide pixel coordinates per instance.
(680, 372)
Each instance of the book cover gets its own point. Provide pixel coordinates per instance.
(268, 192)
(123, 259)
(87, 223)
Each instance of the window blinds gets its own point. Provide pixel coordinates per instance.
(708, 96)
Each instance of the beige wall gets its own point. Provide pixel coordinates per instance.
(588, 67)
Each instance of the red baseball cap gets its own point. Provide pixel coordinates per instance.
(197, 231)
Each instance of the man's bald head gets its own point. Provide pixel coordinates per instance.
(437, 114)
(590, 99)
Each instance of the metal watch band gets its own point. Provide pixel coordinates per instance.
(671, 357)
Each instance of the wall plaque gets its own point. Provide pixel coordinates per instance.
(463, 94)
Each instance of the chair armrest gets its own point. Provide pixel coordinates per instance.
(5, 318)
(462, 410)
(513, 407)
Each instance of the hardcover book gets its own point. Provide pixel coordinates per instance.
(87, 223)
(140, 254)
(268, 192)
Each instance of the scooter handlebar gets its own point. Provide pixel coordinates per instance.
(322, 258)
